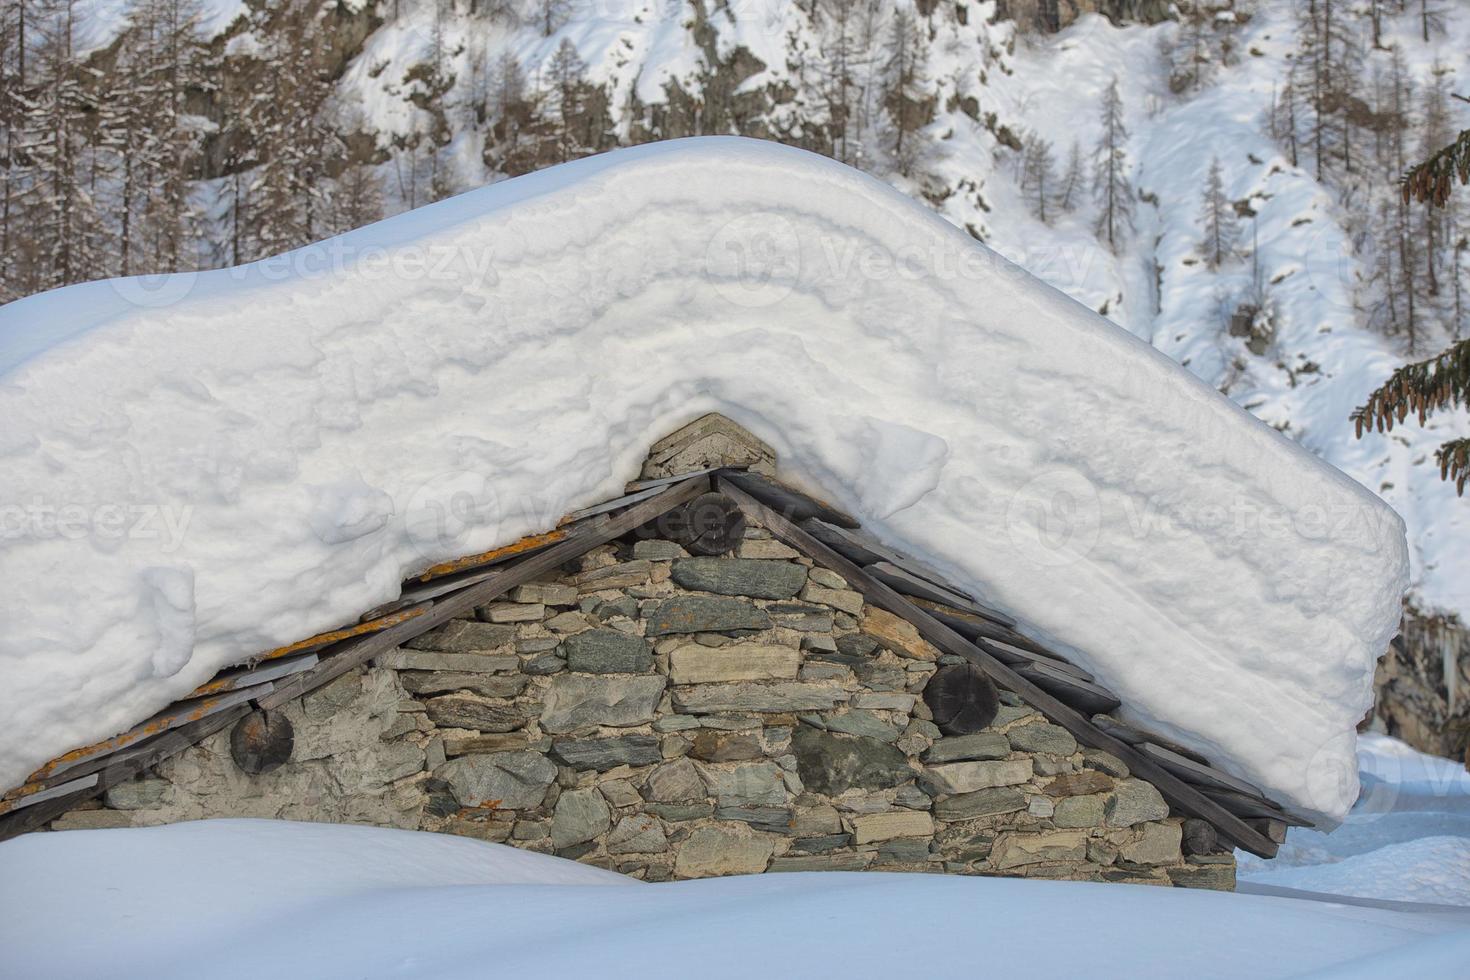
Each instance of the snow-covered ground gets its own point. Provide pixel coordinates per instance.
(250, 898)
(1407, 839)
(309, 420)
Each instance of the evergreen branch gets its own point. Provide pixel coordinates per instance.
(1422, 387)
(1454, 463)
(1432, 180)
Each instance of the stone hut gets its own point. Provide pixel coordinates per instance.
(714, 674)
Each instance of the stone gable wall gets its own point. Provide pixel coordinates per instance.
(677, 717)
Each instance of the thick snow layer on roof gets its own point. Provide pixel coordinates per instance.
(202, 467)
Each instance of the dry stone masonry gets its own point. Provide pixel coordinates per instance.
(679, 716)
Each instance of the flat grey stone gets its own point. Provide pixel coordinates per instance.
(543, 664)
(787, 696)
(465, 636)
(903, 852)
(640, 833)
(822, 844)
(605, 651)
(1042, 737)
(138, 794)
(821, 862)
(831, 764)
(1134, 801)
(801, 617)
(674, 782)
(1079, 811)
(657, 550)
(681, 812)
(603, 754)
(864, 723)
(626, 607)
(705, 614)
(510, 780)
(981, 803)
(577, 701)
(859, 645)
(580, 815)
(437, 682)
(477, 663)
(757, 578)
(980, 745)
(772, 819)
(474, 712)
(1105, 762)
(748, 784)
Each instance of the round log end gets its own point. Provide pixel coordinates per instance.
(1200, 837)
(962, 699)
(710, 524)
(261, 742)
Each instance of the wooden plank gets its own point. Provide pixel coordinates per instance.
(1134, 735)
(911, 585)
(120, 768)
(974, 627)
(607, 506)
(503, 580)
(233, 680)
(526, 545)
(174, 716)
(866, 549)
(1182, 795)
(1251, 806)
(1267, 827)
(1013, 656)
(634, 486)
(1201, 775)
(33, 793)
(369, 625)
(1085, 696)
(792, 503)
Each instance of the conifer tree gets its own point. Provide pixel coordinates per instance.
(567, 74)
(905, 90)
(1110, 182)
(1071, 189)
(1217, 219)
(1038, 177)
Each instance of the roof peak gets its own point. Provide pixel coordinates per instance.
(711, 441)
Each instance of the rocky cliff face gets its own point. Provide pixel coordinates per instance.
(1423, 687)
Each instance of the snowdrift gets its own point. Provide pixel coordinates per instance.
(201, 467)
(253, 898)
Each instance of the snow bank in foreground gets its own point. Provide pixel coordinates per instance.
(252, 898)
(243, 458)
(1407, 839)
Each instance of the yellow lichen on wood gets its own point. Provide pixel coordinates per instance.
(333, 636)
(528, 543)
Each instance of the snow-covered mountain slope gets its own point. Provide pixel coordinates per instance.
(1322, 361)
(524, 344)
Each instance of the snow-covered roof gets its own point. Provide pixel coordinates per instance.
(204, 467)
